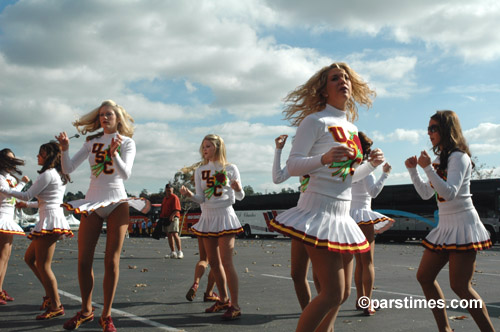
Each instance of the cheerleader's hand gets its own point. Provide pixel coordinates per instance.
(236, 186)
(115, 144)
(376, 157)
(21, 204)
(411, 162)
(424, 160)
(280, 141)
(387, 168)
(185, 191)
(338, 153)
(63, 140)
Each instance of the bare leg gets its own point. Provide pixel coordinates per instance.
(329, 320)
(367, 266)
(329, 270)
(300, 265)
(177, 240)
(226, 248)
(212, 248)
(170, 241)
(462, 266)
(117, 227)
(202, 264)
(44, 252)
(358, 277)
(5, 250)
(200, 268)
(430, 266)
(210, 283)
(88, 235)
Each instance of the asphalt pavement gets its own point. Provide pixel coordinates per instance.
(152, 288)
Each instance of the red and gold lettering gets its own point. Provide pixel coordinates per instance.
(338, 134)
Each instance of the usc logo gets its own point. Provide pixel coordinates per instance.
(102, 159)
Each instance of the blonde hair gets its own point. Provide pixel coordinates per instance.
(310, 97)
(220, 154)
(90, 121)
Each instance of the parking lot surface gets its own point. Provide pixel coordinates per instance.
(152, 288)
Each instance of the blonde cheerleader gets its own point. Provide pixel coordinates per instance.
(111, 154)
(326, 146)
(218, 185)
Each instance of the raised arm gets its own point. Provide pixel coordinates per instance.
(458, 162)
(41, 182)
(279, 174)
(124, 160)
(423, 188)
(235, 180)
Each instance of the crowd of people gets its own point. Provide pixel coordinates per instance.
(331, 227)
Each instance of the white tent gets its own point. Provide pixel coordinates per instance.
(74, 223)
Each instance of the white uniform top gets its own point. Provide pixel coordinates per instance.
(48, 188)
(106, 172)
(279, 174)
(222, 195)
(7, 203)
(452, 188)
(316, 135)
(364, 190)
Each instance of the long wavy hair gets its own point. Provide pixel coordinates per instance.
(451, 137)
(52, 151)
(9, 164)
(90, 121)
(366, 144)
(311, 98)
(220, 154)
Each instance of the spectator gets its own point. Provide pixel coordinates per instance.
(169, 215)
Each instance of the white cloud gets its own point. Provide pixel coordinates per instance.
(468, 29)
(59, 60)
(484, 133)
(399, 134)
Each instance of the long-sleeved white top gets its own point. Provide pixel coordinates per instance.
(452, 188)
(8, 182)
(48, 188)
(316, 135)
(223, 195)
(364, 190)
(279, 174)
(106, 171)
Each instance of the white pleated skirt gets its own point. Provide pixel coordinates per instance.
(322, 222)
(215, 222)
(462, 231)
(9, 226)
(98, 198)
(52, 221)
(380, 222)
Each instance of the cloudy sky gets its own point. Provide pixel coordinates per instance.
(184, 69)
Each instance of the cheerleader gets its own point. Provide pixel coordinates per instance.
(8, 227)
(111, 154)
(460, 233)
(52, 225)
(300, 259)
(326, 147)
(370, 222)
(218, 184)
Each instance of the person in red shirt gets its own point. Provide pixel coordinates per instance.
(169, 215)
